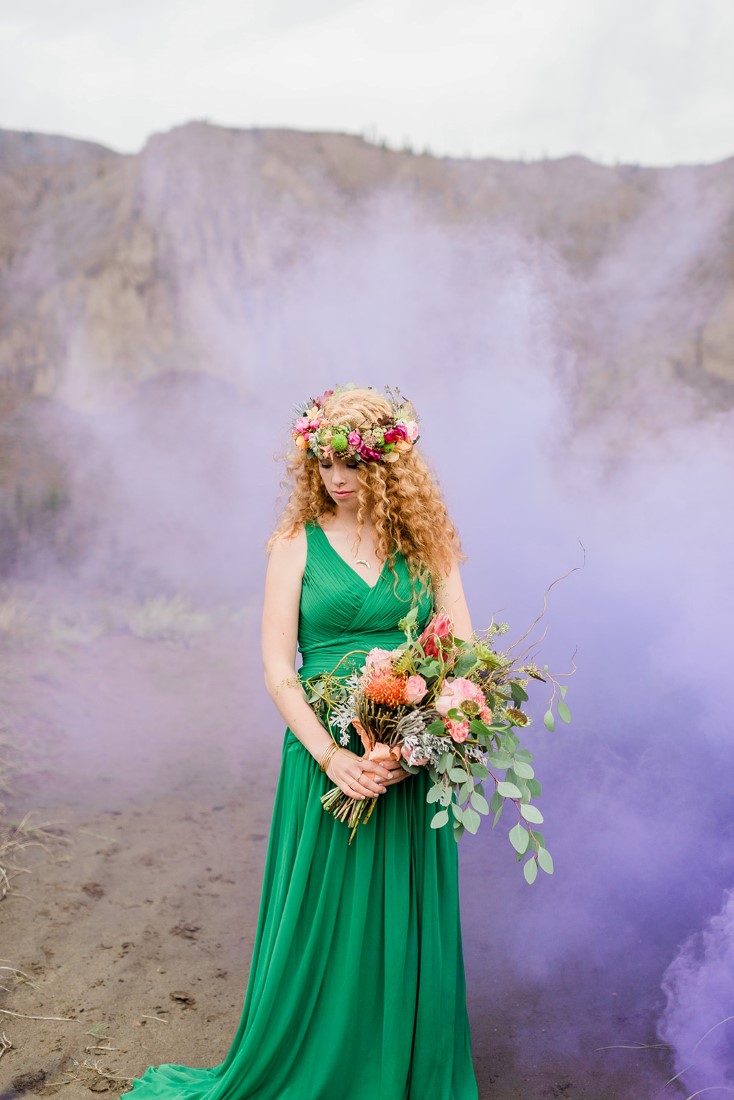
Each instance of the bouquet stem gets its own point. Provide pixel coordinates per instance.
(351, 811)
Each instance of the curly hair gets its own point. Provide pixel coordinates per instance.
(402, 498)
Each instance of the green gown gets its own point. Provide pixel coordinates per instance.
(356, 988)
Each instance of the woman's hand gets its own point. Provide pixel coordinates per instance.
(358, 776)
(388, 758)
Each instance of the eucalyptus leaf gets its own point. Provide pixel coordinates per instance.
(545, 860)
(456, 810)
(471, 820)
(465, 790)
(531, 813)
(434, 793)
(458, 775)
(564, 712)
(535, 788)
(550, 723)
(525, 771)
(479, 802)
(496, 802)
(479, 770)
(498, 815)
(509, 790)
(525, 755)
(439, 819)
(530, 870)
(519, 694)
(563, 689)
(458, 830)
(446, 796)
(519, 838)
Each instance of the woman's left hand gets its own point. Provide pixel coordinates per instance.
(385, 754)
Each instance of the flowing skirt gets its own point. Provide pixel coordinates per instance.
(356, 987)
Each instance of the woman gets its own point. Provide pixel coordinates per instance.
(356, 987)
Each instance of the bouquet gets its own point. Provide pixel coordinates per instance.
(455, 708)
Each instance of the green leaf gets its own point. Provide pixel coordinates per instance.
(447, 795)
(458, 775)
(458, 830)
(478, 727)
(563, 689)
(436, 728)
(496, 802)
(471, 820)
(479, 770)
(545, 860)
(539, 837)
(444, 760)
(439, 819)
(564, 712)
(522, 769)
(549, 720)
(519, 694)
(500, 760)
(530, 870)
(465, 790)
(531, 813)
(456, 810)
(466, 662)
(535, 788)
(519, 838)
(524, 755)
(509, 790)
(434, 794)
(479, 802)
(498, 815)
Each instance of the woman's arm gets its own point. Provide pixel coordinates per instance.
(279, 642)
(451, 599)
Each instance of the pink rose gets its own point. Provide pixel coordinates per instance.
(415, 689)
(378, 658)
(412, 430)
(439, 627)
(354, 439)
(455, 691)
(398, 432)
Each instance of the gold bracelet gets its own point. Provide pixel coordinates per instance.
(327, 755)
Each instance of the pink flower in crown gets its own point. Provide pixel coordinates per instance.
(369, 453)
(398, 432)
(415, 689)
(412, 429)
(302, 425)
(458, 731)
(439, 627)
(354, 439)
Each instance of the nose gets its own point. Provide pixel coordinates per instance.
(338, 475)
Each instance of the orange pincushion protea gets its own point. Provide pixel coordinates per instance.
(387, 687)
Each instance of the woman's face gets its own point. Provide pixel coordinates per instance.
(342, 482)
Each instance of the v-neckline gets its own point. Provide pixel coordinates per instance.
(344, 561)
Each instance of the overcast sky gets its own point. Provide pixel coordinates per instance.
(647, 81)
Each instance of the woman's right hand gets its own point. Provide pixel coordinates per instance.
(357, 776)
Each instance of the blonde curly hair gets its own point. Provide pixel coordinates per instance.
(402, 498)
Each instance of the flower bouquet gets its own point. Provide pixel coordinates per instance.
(454, 708)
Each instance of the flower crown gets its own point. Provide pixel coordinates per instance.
(382, 441)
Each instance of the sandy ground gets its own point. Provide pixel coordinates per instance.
(135, 928)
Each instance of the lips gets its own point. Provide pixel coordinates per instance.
(343, 493)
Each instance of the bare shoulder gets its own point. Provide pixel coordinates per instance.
(288, 552)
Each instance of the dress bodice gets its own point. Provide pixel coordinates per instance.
(341, 612)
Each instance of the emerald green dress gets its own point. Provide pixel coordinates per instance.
(356, 987)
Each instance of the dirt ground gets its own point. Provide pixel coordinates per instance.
(132, 930)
